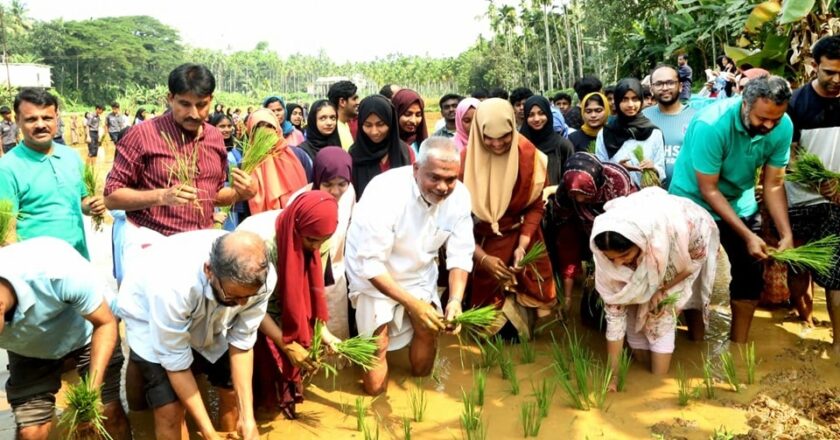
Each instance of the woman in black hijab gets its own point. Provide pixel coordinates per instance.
(378, 147)
(629, 130)
(320, 129)
(539, 129)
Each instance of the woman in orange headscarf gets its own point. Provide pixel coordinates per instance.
(279, 176)
(506, 176)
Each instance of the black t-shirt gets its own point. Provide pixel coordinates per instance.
(810, 111)
(581, 141)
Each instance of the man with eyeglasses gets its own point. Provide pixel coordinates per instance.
(193, 305)
(670, 115)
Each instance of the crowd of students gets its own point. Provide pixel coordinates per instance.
(359, 219)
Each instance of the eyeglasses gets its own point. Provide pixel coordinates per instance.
(663, 84)
(236, 299)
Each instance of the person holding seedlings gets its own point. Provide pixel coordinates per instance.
(815, 210)
(286, 333)
(654, 256)
(506, 175)
(378, 147)
(141, 181)
(54, 308)
(279, 176)
(320, 129)
(724, 146)
(43, 179)
(405, 218)
(194, 305)
(595, 111)
(629, 130)
(411, 116)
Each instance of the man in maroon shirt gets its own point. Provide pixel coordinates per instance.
(143, 182)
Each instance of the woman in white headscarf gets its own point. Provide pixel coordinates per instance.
(650, 246)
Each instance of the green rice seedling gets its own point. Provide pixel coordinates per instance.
(470, 417)
(592, 147)
(624, 361)
(817, 255)
(809, 170)
(360, 350)
(602, 376)
(527, 351)
(257, 148)
(419, 401)
(7, 220)
(669, 301)
(649, 177)
(226, 211)
(559, 357)
(544, 394)
(406, 428)
(573, 397)
(474, 322)
(369, 434)
(361, 412)
(748, 356)
(479, 385)
(684, 386)
(509, 373)
(722, 434)
(536, 252)
(184, 168)
(708, 378)
(729, 371)
(90, 178)
(84, 406)
(582, 368)
(317, 349)
(529, 416)
(473, 426)
(489, 354)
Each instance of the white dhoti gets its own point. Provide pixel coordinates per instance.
(373, 312)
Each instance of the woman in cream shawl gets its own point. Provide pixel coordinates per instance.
(506, 176)
(650, 246)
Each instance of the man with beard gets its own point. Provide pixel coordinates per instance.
(405, 217)
(814, 214)
(724, 144)
(194, 305)
(670, 115)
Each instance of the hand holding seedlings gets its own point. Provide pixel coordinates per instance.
(243, 184)
(426, 314)
(178, 195)
(299, 357)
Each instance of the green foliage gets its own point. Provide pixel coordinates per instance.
(84, 406)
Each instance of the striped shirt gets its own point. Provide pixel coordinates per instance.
(143, 161)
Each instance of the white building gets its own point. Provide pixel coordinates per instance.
(26, 75)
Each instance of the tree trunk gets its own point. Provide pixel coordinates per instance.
(569, 46)
(547, 49)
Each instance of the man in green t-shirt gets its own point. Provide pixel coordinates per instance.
(43, 179)
(725, 146)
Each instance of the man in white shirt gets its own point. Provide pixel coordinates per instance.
(195, 303)
(404, 218)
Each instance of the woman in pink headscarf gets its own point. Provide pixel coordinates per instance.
(647, 247)
(464, 114)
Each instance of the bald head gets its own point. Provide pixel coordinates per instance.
(240, 257)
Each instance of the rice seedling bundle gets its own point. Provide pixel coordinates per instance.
(7, 219)
(533, 255)
(669, 301)
(649, 177)
(818, 255)
(479, 385)
(602, 376)
(257, 148)
(475, 322)
(809, 171)
(509, 373)
(472, 423)
(406, 428)
(360, 350)
(90, 178)
(84, 406)
(184, 167)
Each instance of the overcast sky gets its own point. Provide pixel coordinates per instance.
(356, 30)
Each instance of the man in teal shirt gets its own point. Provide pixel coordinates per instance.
(725, 145)
(53, 309)
(43, 179)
